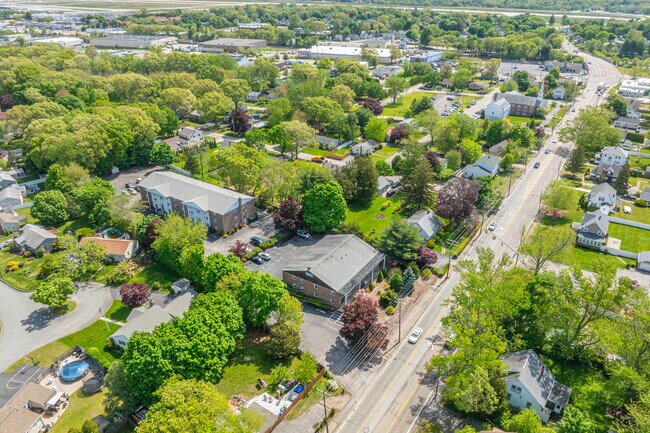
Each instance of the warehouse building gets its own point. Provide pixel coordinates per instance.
(132, 41)
(64, 41)
(334, 52)
(231, 45)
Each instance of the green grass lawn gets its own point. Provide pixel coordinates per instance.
(156, 272)
(632, 239)
(399, 107)
(118, 311)
(25, 278)
(81, 408)
(249, 362)
(94, 335)
(639, 214)
(26, 212)
(586, 259)
(639, 163)
(314, 151)
(467, 100)
(365, 214)
(518, 119)
(385, 152)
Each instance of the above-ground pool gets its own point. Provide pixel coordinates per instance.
(74, 370)
(112, 233)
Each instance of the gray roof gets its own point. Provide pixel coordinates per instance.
(5, 176)
(517, 98)
(644, 256)
(33, 236)
(645, 195)
(11, 193)
(427, 221)
(326, 140)
(339, 261)
(204, 195)
(526, 366)
(145, 322)
(602, 168)
(595, 221)
(614, 151)
(604, 188)
(382, 183)
(181, 303)
(502, 103)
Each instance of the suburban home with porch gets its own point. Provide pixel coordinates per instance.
(219, 209)
(592, 232)
(115, 249)
(605, 173)
(187, 137)
(487, 165)
(531, 384)
(602, 195)
(334, 269)
(427, 222)
(612, 155)
(33, 237)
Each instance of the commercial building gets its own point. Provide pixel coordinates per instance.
(230, 45)
(522, 105)
(634, 88)
(219, 209)
(427, 57)
(64, 41)
(335, 52)
(334, 269)
(132, 41)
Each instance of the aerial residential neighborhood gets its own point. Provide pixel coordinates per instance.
(345, 217)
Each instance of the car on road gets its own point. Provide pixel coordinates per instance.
(547, 151)
(264, 256)
(536, 165)
(415, 335)
(473, 103)
(573, 109)
(303, 234)
(555, 140)
(492, 226)
(257, 260)
(450, 98)
(256, 241)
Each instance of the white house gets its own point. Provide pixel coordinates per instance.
(627, 123)
(10, 196)
(602, 195)
(643, 261)
(364, 148)
(645, 195)
(487, 165)
(559, 92)
(187, 137)
(612, 155)
(499, 109)
(531, 384)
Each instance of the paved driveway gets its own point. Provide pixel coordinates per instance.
(263, 227)
(27, 325)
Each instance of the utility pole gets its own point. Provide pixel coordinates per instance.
(399, 320)
(327, 426)
(509, 183)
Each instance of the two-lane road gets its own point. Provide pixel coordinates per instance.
(393, 401)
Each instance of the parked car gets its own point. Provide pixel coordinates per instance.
(547, 151)
(536, 165)
(415, 335)
(256, 241)
(492, 226)
(303, 234)
(265, 256)
(257, 260)
(392, 192)
(138, 180)
(129, 185)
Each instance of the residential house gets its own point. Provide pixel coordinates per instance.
(487, 165)
(628, 123)
(219, 209)
(229, 141)
(33, 237)
(11, 196)
(612, 155)
(253, 96)
(522, 105)
(645, 195)
(592, 232)
(497, 109)
(181, 285)
(643, 261)
(383, 72)
(6, 180)
(364, 148)
(22, 413)
(498, 148)
(383, 185)
(187, 137)
(10, 222)
(602, 195)
(605, 173)
(446, 82)
(116, 249)
(427, 222)
(334, 269)
(565, 67)
(559, 92)
(427, 56)
(144, 322)
(476, 85)
(531, 384)
(327, 142)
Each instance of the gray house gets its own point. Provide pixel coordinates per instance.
(10, 222)
(10, 197)
(592, 233)
(530, 384)
(6, 180)
(383, 185)
(645, 195)
(427, 222)
(602, 195)
(34, 237)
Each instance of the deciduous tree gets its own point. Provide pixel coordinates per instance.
(55, 291)
(50, 207)
(288, 214)
(401, 241)
(259, 296)
(457, 199)
(324, 207)
(361, 328)
(135, 294)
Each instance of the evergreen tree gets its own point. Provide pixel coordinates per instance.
(408, 281)
(620, 184)
(416, 186)
(576, 161)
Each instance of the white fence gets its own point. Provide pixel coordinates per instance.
(629, 223)
(621, 253)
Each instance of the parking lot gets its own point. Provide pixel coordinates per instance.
(282, 255)
(263, 228)
(130, 175)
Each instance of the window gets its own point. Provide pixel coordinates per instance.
(302, 289)
(302, 281)
(293, 285)
(331, 292)
(293, 277)
(513, 386)
(528, 404)
(508, 395)
(315, 293)
(332, 301)
(315, 286)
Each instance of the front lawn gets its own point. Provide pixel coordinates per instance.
(385, 152)
(26, 277)
(156, 272)
(371, 217)
(585, 259)
(314, 151)
(518, 119)
(401, 105)
(467, 100)
(632, 239)
(118, 311)
(247, 364)
(95, 335)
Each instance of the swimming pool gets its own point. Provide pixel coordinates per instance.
(74, 370)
